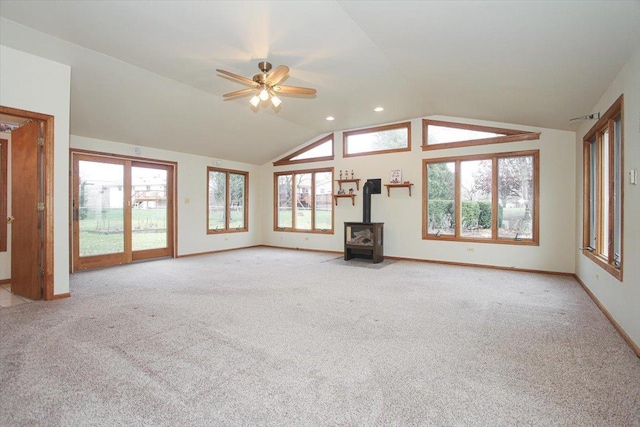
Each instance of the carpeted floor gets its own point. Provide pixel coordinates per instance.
(280, 337)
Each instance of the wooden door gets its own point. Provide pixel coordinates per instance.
(26, 225)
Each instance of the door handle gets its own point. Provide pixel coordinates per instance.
(10, 219)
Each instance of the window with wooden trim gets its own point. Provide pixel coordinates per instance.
(377, 140)
(604, 191)
(485, 198)
(227, 200)
(438, 134)
(318, 151)
(303, 201)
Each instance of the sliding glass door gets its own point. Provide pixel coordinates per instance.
(122, 210)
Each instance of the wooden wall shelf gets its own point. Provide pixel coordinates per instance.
(345, 181)
(407, 185)
(339, 196)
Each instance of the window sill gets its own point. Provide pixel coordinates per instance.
(449, 238)
(615, 272)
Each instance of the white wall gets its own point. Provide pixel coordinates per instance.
(621, 299)
(35, 84)
(402, 214)
(192, 195)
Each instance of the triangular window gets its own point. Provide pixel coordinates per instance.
(438, 134)
(318, 151)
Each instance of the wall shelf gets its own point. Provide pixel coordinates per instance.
(407, 185)
(339, 196)
(355, 181)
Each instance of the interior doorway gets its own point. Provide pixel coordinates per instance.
(123, 209)
(31, 215)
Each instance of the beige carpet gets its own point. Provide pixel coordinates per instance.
(281, 337)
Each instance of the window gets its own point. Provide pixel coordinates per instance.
(227, 195)
(438, 134)
(378, 140)
(603, 192)
(303, 201)
(318, 151)
(486, 198)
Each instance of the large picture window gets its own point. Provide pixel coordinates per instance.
(378, 140)
(486, 198)
(603, 195)
(303, 201)
(227, 195)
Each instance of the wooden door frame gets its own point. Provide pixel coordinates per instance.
(172, 179)
(47, 261)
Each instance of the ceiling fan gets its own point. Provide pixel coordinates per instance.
(265, 85)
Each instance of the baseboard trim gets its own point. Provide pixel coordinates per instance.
(493, 267)
(616, 325)
(5, 281)
(59, 296)
(218, 251)
(303, 249)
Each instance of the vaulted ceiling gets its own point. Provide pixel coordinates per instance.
(143, 72)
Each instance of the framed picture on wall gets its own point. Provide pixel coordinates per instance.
(396, 176)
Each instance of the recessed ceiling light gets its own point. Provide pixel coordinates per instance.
(331, 118)
(378, 109)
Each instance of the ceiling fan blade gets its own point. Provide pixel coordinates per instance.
(277, 74)
(237, 77)
(239, 92)
(295, 90)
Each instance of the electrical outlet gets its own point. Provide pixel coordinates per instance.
(597, 276)
(470, 249)
(187, 201)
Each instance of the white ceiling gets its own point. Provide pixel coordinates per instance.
(143, 72)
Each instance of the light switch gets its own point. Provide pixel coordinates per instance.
(633, 176)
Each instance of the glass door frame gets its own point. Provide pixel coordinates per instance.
(128, 255)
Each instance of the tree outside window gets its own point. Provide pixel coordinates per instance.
(226, 200)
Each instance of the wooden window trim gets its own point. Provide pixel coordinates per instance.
(292, 229)
(403, 125)
(511, 135)
(287, 159)
(4, 189)
(227, 173)
(535, 232)
(606, 122)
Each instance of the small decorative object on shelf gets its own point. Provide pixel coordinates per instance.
(341, 191)
(351, 173)
(350, 191)
(340, 173)
(396, 176)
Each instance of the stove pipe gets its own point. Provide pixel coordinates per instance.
(366, 202)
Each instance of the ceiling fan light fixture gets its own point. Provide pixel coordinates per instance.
(254, 101)
(275, 101)
(264, 94)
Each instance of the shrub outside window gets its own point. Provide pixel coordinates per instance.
(303, 201)
(227, 196)
(603, 195)
(486, 198)
(378, 140)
